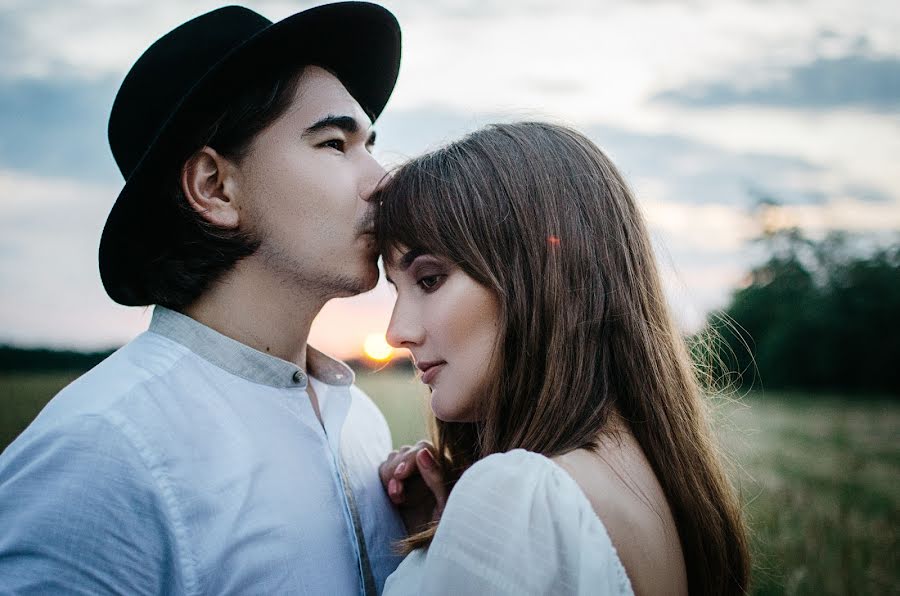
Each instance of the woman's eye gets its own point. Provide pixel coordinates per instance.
(430, 282)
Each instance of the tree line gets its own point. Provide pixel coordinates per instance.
(817, 315)
(18, 359)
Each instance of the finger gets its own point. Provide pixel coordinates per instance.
(395, 491)
(387, 467)
(434, 479)
(407, 465)
(385, 472)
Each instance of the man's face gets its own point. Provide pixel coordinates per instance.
(304, 186)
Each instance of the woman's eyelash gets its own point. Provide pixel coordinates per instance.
(430, 282)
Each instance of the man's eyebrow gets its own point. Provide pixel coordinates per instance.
(346, 123)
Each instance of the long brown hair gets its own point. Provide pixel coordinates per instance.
(538, 214)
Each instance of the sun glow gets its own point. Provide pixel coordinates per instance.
(377, 348)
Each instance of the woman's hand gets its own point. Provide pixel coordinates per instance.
(415, 485)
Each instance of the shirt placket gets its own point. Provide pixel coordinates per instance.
(348, 502)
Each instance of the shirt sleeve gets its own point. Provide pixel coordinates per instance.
(81, 514)
(516, 523)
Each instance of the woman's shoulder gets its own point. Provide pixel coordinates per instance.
(514, 473)
(517, 461)
(524, 488)
(624, 492)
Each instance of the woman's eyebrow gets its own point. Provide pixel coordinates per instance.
(404, 262)
(407, 259)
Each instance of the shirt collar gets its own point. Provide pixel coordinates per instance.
(242, 360)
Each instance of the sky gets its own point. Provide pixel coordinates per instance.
(707, 106)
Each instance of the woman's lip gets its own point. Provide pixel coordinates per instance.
(429, 373)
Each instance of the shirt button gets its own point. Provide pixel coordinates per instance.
(298, 376)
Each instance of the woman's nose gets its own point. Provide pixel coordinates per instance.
(404, 330)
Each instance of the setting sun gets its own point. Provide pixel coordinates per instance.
(377, 348)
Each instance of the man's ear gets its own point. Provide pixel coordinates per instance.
(207, 181)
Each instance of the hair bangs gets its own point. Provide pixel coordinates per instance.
(408, 214)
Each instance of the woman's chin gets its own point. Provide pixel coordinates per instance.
(441, 410)
(448, 412)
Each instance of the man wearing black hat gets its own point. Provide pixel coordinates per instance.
(217, 452)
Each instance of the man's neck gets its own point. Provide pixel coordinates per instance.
(247, 305)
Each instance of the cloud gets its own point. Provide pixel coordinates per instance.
(50, 230)
(853, 80)
(12, 46)
(698, 173)
(57, 127)
(691, 172)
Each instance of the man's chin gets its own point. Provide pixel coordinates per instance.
(352, 285)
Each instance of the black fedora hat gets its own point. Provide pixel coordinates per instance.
(188, 74)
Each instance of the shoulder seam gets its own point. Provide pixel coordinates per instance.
(142, 449)
(141, 381)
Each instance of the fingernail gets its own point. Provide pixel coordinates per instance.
(393, 486)
(400, 468)
(427, 459)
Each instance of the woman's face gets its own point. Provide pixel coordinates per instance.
(449, 323)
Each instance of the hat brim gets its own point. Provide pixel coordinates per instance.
(357, 41)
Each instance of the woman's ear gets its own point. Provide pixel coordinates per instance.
(208, 185)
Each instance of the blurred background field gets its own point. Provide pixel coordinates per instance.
(818, 475)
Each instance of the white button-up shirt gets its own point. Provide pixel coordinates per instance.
(190, 463)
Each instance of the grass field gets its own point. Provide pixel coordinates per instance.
(819, 477)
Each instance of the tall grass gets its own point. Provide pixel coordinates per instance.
(819, 479)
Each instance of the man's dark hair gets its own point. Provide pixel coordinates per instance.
(200, 253)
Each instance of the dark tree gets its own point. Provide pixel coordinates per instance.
(816, 315)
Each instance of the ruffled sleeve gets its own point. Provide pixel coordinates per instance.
(516, 523)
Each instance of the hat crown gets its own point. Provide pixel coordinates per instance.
(163, 76)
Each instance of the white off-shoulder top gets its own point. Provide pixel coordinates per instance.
(516, 523)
